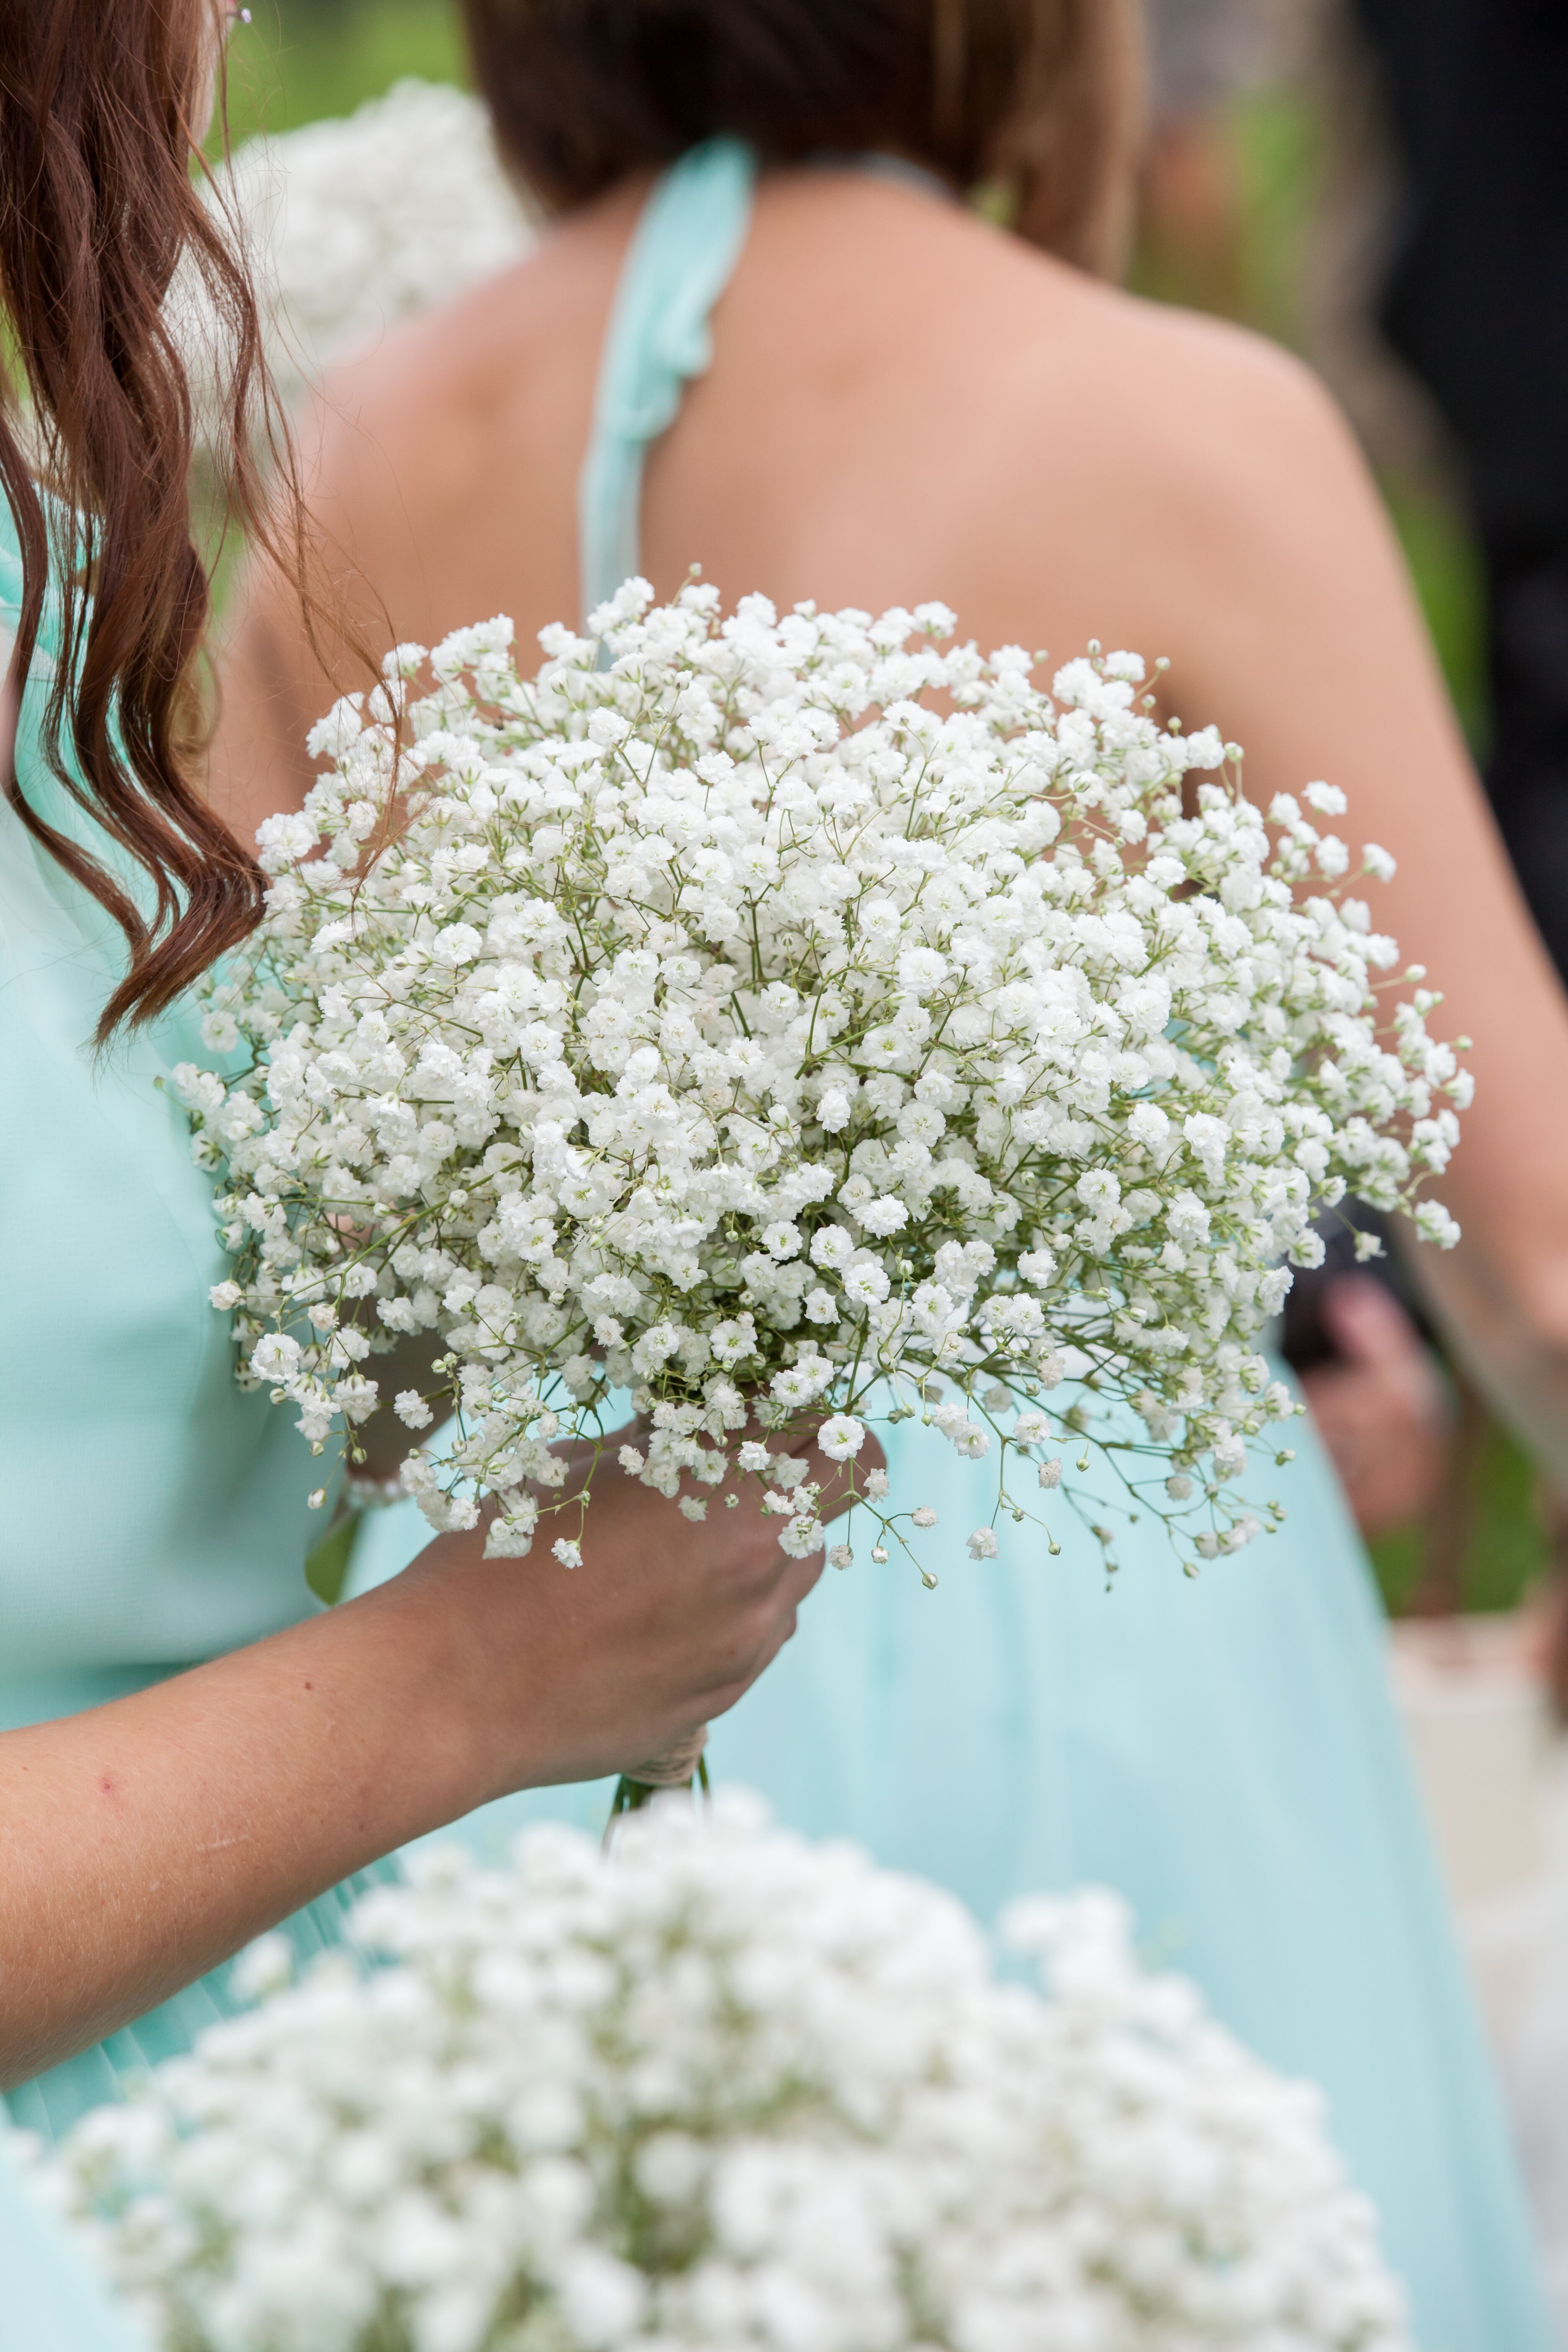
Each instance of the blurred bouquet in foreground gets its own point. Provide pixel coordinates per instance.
(711, 1016)
(726, 2090)
(351, 225)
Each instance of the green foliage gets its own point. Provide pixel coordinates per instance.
(327, 1566)
(1507, 1546)
(301, 59)
(1446, 570)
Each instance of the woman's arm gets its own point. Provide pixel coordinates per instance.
(1291, 622)
(143, 1841)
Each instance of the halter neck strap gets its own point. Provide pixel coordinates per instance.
(683, 250)
(682, 253)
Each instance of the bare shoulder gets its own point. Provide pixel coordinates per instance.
(428, 401)
(1187, 406)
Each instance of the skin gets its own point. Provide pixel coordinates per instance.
(142, 1842)
(906, 402)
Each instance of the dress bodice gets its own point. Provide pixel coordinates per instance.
(153, 1514)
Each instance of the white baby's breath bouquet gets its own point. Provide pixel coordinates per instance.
(729, 2093)
(349, 225)
(792, 1019)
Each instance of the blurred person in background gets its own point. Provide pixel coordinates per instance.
(1473, 300)
(1351, 1332)
(1475, 303)
(876, 398)
(1201, 55)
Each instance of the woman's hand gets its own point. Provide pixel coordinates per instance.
(145, 1840)
(666, 1622)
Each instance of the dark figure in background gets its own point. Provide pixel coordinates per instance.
(1476, 304)
(1350, 1331)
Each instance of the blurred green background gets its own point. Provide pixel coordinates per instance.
(301, 59)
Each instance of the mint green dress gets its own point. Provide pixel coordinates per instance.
(50, 2300)
(152, 1515)
(1223, 1751)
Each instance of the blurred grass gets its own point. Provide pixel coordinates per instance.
(1508, 1545)
(301, 59)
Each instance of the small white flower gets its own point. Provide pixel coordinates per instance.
(567, 1551)
(458, 943)
(263, 1968)
(923, 1515)
(225, 1295)
(283, 839)
(841, 1436)
(831, 1247)
(982, 1544)
(412, 1410)
(1051, 1473)
(276, 1357)
(221, 1032)
(865, 1283)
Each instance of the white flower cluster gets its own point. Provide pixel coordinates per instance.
(729, 2091)
(710, 1014)
(352, 225)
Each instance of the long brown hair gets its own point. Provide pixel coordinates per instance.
(99, 101)
(1039, 99)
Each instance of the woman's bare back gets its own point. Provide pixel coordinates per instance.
(905, 403)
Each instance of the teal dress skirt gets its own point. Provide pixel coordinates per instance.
(50, 2300)
(1223, 1750)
